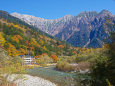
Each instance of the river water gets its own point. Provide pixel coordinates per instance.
(58, 77)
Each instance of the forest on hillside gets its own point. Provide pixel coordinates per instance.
(18, 39)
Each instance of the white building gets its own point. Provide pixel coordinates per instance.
(28, 60)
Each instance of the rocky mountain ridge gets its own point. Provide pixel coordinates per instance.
(46, 25)
(83, 30)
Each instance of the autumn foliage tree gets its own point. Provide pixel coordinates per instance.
(17, 38)
(12, 50)
(23, 51)
(2, 40)
(54, 57)
(43, 59)
(61, 46)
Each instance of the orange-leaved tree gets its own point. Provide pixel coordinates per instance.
(61, 46)
(54, 57)
(12, 50)
(17, 38)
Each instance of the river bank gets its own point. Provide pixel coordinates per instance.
(33, 81)
(28, 80)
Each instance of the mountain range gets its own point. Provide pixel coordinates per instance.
(19, 38)
(84, 30)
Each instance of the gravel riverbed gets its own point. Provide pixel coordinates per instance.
(34, 81)
(29, 80)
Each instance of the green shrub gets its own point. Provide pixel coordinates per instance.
(64, 66)
(44, 60)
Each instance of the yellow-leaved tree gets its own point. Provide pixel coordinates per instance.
(17, 38)
(33, 41)
(12, 50)
(2, 40)
(23, 51)
(41, 42)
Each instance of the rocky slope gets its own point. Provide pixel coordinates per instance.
(48, 26)
(83, 30)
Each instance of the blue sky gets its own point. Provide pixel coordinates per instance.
(52, 9)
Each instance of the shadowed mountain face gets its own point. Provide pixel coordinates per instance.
(83, 30)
